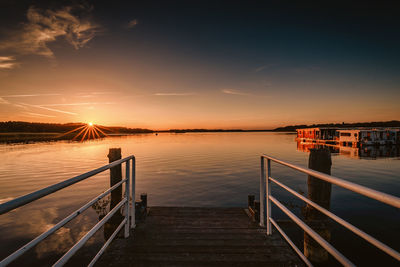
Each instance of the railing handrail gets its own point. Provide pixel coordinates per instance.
(25, 199)
(128, 221)
(266, 199)
(363, 190)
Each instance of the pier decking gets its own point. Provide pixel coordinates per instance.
(188, 236)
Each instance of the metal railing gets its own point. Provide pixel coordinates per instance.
(265, 209)
(128, 222)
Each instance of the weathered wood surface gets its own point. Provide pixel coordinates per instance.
(177, 236)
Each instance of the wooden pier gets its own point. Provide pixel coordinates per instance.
(192, 236)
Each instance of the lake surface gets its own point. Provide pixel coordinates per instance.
(190, 169)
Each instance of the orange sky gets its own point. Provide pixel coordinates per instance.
(136, 73)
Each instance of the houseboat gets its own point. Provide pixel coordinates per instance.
(350, 137)
(369, 137)
(318, 135)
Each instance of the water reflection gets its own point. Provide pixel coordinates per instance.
(364, 152)
(193, 169)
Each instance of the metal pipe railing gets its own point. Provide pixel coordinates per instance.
(339, 256)
(108, 242)
(60, 224)
(371, 193)
(89, 234)
(295, 248)
(129, 210)
(266, 194)
(339, 220)
(25, 199)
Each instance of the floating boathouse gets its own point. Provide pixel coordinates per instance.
(350, 137)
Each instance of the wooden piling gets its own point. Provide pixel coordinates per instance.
(116, 195)
(319, 192)
(115, 176)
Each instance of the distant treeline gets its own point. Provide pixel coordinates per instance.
(292, 128)
(36, 127)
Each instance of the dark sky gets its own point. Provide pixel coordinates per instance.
(225, 63)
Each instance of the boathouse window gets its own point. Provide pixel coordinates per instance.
(355, 135)
(345, 134)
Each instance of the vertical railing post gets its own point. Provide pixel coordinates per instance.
(268, 190)
(262, 193)
(127, 195)
(133, 223)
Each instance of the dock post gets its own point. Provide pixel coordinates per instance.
(116, 195)
(319, 192)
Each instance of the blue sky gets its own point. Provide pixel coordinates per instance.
(212, 64)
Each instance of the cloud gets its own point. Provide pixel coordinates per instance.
(78, 104)
(33, 95)
(45, 26)
(94, 94)
(260, 68)
(8, 63)
(49, 109)
(173, 94)
(233, 92)
(266, 66)
(3, 101)
(132, 23)
(35, 115)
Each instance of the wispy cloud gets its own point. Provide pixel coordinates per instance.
(78, 104)
(8, 63)
(132, 23)
(174, 94)
(94, 94)
(260, 68)
(35, 115)
(3, 101)
(266, 66)
(49, 109)
(234, 92)
(31, 95)
(45, 26)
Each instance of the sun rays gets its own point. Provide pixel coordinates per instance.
(87, 132)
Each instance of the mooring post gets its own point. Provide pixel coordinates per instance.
(319, 192)
(116, 195)
(115, 176)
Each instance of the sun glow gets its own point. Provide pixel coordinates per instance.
(87, 131)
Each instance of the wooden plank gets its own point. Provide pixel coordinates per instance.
(187, 236)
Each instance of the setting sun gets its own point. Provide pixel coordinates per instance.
(90, 124)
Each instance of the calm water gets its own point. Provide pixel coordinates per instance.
(191, 169)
